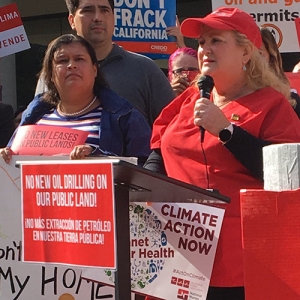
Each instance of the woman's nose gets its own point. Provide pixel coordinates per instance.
(72, 64)
(203, 49)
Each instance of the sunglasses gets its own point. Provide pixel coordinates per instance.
(179, 71)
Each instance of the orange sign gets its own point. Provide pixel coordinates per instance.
(68, 214)
(46, 140)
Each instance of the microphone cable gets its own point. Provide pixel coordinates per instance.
(206, 165)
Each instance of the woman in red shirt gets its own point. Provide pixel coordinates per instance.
(245, 111)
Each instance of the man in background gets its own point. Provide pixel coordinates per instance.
(132, 76)
(6, 120)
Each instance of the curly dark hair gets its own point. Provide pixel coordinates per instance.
(51, 95)
(72, 5)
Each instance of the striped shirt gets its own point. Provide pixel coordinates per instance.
(89, 122)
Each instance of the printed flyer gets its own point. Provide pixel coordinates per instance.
(140, 26)
(13, 37)
(173, 247)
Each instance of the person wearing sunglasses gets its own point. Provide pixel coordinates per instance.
(183, 68)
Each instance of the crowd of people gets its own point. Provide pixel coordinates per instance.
(128, 106)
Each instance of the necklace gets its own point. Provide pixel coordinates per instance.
(77, 112)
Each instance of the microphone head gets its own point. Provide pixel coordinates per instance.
(205, 82)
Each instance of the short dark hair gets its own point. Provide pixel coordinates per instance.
(73, 5)
(52, 95)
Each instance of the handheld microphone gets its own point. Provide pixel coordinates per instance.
(205, 84)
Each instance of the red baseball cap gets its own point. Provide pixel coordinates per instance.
(224, 18)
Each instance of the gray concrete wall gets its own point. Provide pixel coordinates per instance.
(30, 8)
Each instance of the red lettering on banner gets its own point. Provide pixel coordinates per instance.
(12, 41)
(9, 17)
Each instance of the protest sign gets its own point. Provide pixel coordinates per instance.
(276, 15)
(33, 281)
(294, 79)
(140, 26)
(13, 37)
(173, 247)
(46, 140)
(68, 206)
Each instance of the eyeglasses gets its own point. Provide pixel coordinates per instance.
(180, 71)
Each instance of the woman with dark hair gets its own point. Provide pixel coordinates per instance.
(271, 54)
(78, 97)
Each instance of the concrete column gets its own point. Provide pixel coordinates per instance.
(281, 167)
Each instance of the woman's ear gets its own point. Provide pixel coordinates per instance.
(247, 53)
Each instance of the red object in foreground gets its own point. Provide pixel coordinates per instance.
(294, 79)
(271, 243)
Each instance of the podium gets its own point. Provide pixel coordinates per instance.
(136, 184)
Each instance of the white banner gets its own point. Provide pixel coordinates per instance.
(277, 15)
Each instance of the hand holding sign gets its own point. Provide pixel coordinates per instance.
(81, 151)
(175, 31)
(6, 154)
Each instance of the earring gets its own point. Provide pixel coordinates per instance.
(244, 68)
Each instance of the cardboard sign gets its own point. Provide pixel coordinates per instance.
(271, 243)
(67, 212)
(47, 140)
(173, 247)
(140, 26)
(13, 37)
